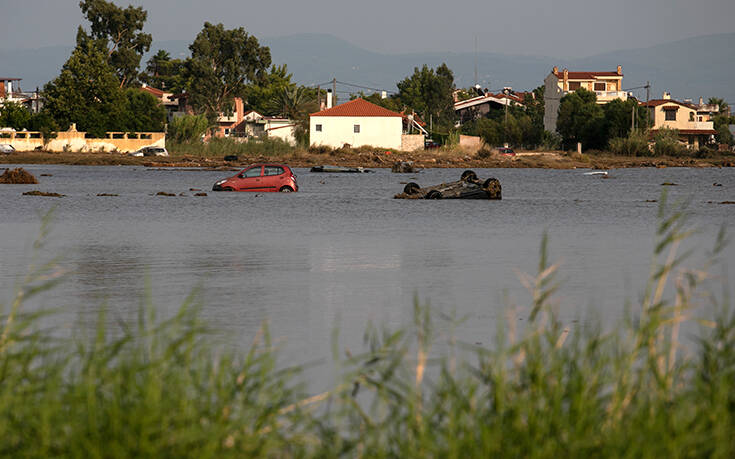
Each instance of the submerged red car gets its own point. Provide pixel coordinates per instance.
(260, 177)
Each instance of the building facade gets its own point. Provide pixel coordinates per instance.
(356, 123)
(607, 86)
(694, 128)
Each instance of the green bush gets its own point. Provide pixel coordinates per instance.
(636, 144)
(666, 143)
(224, 146)
(187, 128)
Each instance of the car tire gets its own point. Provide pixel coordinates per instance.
(468, 176)
(411, 188)
(286, 189)
(434, 194)
(488, 182)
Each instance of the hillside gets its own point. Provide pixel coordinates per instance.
(690, 68)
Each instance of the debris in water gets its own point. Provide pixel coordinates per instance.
(18, 176)
(43, 193)
(669, 184)
(163, 193)
(200, 194)
(108, 194)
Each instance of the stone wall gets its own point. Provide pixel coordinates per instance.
(412, 142)
(470, 142)
(74, 141)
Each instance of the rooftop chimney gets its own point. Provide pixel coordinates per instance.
(701, 101)
(566, 80)
(666, 95)
(620, 70)
(329, 98)
(556, 70)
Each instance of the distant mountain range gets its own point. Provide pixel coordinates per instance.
(690, 68)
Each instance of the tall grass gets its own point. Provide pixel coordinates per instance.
(219, 147)
(546, 389)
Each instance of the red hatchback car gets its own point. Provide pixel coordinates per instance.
(260, 177)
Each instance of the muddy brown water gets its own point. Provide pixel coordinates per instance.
(342, 252)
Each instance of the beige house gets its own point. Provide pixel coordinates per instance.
(607, 86)
(356, 123)
(694, 128)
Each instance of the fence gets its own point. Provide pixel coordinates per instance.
(75, 141)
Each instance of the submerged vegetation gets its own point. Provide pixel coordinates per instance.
(545, 389)
(18, 176)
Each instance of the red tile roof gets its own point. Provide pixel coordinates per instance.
(156, 92)
(357, 107)
(587, 75)
(657, 102)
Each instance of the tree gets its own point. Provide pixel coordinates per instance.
(222, 62)
(581, 119)
(164, 73)
(259, 95)
(87, 92)
(619, 116)
(723, 106)
(429, 93)
(120, 31)
(295, 103)
(721, 124)
(143, 112)
(15, 116)
(187, 128)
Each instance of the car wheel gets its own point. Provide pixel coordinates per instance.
(434, 194)
(411, 188)
(488, 182)
(286, 189)
(468, 176)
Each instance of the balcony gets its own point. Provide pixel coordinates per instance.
(607, 96)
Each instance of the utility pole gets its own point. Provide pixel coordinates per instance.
(334, 92)
(319, 97)
(648, 95)
(505, 131)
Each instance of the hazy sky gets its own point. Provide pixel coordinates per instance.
(558, 28)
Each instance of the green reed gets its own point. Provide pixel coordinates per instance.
(544, 389)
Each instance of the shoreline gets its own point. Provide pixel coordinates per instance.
(423, 160)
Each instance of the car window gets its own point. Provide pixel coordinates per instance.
(252, 172)
(273, 170)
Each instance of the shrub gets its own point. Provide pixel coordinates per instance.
(484, 153)
(187, 128)
(636, 144)
(666, 143)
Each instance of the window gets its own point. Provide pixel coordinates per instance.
(574, 85)
(691, 116)
(252, 172)
(273, 170)
(670, 115)
(356, 128)
(599, 86)
(227, 132)
(318, 128)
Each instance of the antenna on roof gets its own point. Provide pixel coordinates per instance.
(476, 60)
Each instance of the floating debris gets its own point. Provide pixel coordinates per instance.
(403, 167)
(717, 184)
(669, 184)
(163, 193)
(18, 176)
(200, 194)
(43, 193)
(47, 175)
(195, 189)
(108, 194)
(341, 169)
(468, 187)
(727, 202)
(651, 200)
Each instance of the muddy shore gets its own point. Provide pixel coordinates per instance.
(424, 159)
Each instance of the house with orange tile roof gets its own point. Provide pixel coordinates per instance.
(357, 123)
(694, 128)
(607, 86)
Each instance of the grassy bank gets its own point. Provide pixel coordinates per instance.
(544, 389)
(212, 154)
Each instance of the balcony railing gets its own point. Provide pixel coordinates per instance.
(607, 95)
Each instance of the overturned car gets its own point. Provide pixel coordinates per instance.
(469, 186)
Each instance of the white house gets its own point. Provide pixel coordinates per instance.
(356, 123)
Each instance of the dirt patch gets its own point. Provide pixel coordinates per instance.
(18, 176)
(43, 193)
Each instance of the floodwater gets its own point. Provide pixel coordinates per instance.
(343, 253)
